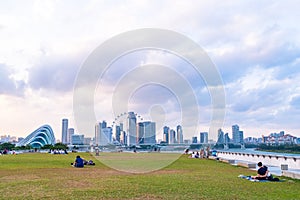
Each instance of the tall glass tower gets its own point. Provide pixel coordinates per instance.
(236, 137)
(179, 134)
(131, 129)
(64, 134)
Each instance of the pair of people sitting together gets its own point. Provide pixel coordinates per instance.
(79, 162)
(263, 173)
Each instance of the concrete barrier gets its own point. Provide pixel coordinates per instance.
(227, 161)
(247, 165)
(266, 159)
(290, 174)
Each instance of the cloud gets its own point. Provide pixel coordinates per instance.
(54, 73)
(8, 85)
(295, 103)
(255, 46)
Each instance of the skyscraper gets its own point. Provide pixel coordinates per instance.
(220, 137)
(237, 135)
(179, 135)
(204, 137)
(103, 134)
(103, 124)
(118, 134)
(166, 134)
(64, 134)
(146, 133)
(140, 133)
(241, 136)
(150, 133)
(131, 129)
(226, 138)
(70, 134)
(172, 135)
(98, 128)
(194, 140)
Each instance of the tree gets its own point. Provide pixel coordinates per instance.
(7, 146)
(48, 146)
(60, 146)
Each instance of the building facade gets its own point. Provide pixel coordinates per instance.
(237, 135)
(203, 137)
(179, 134)
(131, 129)
(220, 137)
(64, 133)
(71, 132)
(166, 134)
(103, 134)
(146, 133)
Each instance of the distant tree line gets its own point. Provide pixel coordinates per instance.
(287, 148)
(9, 146)
(235, 146)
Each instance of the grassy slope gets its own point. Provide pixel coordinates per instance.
(36, 176)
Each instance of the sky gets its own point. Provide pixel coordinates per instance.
(254, 45)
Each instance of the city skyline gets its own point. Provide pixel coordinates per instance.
(254, 45)
(105, 134)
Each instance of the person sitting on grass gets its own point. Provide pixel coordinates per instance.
(262, 172)
(78, 162)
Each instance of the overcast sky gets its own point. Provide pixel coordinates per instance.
(255, 45)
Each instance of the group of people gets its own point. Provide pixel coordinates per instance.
(204, 153)
(80, 162)
(263, 173)
(58, 151)
(5, 151)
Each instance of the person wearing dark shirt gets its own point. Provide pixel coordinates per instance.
(262, 172)
(78, 162)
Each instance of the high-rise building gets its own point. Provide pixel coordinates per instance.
(179, 134)
(70, 134)
(226, 138)
(241, 136)
(87, 141)
(103, 136)
(131, 129)
(123, 138)
(118, 134)
(166, 134)
(97, 133)
(146, 133)
(77, 139)
(220, 137)
(140, 133)
(194, 140)
(150, 133)
(237, 135)
(64, 134)
(103, 124)
(106, 136)
(172, 138)
(203, 137)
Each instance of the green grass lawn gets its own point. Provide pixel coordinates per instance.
(46, 176)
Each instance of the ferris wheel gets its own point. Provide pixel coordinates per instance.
(122, 117)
